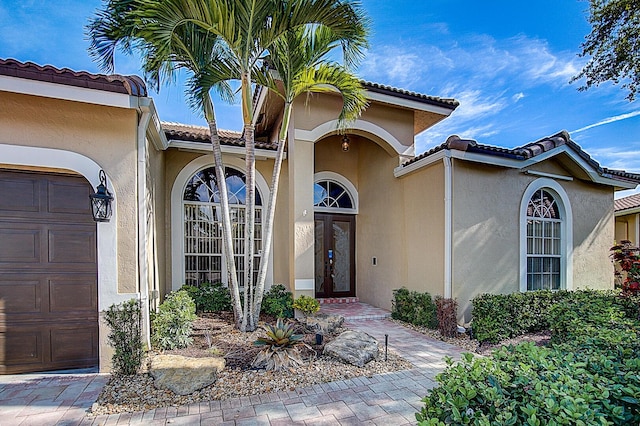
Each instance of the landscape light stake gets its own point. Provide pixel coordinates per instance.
(386, 346)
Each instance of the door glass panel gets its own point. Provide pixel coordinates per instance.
(319, 259)
(342, 257)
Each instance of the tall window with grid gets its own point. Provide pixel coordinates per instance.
(544, 242)
(203, 254)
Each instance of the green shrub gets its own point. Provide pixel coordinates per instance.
(447, 316)
(278, 301)
(590, 374)
(532, 385)
(172, 324)
(210, 297)
(498, 317)
(414, 308)
(308, 305)
(125, 321)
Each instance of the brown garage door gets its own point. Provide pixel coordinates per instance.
(48, 273)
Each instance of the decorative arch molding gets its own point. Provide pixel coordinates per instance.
(566, 229)
(345, 183)
(361, 127)
(177, 226)
(107, 231)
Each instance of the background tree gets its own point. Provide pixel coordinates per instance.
(613, 45)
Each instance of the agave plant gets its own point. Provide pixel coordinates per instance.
(280, 347)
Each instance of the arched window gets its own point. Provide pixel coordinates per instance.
(334, 193)
(203, 254)
(331, 194)
(545, 243)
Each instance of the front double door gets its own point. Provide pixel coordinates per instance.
(335, 255)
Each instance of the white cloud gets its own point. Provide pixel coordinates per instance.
(616, 157)
(608, 120)
(517, 97)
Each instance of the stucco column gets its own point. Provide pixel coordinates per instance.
(301, 168)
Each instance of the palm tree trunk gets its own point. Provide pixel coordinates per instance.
(250, 201)
(227, 241)
(269, 215)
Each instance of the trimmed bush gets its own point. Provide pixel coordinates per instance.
(210, 297)
(278, 301)
(414, 308)
(173, 323)
(125, 321)
(307, 305)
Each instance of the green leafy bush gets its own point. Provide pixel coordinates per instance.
(498, 317)
(308, 305)
(173, 323)
(278, 301)
(210, 297)
(590, 374)
(414, 308)
(530, 385)
(125, 321)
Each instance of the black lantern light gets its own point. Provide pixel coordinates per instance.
(345, 143)
(101, 201)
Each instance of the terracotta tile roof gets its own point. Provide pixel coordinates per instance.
(200, 134)
(527, 151)
(129, 85)
(434, 100)
(626, 203)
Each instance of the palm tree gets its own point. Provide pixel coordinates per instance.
(131, 24)
(298, 60)
(239, 34)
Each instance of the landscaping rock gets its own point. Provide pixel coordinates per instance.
(183, 375)
(323, 323)
(353, 347)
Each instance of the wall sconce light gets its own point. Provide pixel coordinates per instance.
(101, 201)
(345, 143)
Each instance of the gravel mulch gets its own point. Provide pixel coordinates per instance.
(214, 334)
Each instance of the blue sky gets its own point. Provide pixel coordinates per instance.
(508, 63)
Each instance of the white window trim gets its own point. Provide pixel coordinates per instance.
(566, 230)
(107, 231)
(177, 213)
(346, 184)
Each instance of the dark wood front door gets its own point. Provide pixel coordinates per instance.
(48, 273)
(335, 255)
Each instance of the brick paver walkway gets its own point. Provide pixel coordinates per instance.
(384, 399)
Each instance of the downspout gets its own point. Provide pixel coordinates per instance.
(448, 204)
(636, 236)
(143, 270)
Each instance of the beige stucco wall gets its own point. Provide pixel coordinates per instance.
(486, 230)
(104, 134)
(156, 224)
(424, 228)
(626, 228)
(323, 108)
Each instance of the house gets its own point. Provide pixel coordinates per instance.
(627, 213)
(357, 215)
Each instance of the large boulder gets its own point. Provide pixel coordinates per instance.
(323, 323)
(353, 347)
(184, 375)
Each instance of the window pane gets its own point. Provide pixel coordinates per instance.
(331, 194)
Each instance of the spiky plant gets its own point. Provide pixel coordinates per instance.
(280, 347)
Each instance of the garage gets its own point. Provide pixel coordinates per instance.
(48, 273)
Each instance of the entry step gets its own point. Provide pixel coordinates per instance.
(332, 300)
